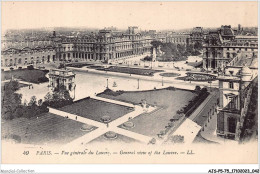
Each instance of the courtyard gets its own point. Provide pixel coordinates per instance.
(145, 125)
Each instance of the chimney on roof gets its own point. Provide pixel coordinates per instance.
(239, 27)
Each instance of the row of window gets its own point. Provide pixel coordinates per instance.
(252, 49)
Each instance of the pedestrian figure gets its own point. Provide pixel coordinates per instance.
(29, 86)
(107, 125)
(32, 86)
(76, 117)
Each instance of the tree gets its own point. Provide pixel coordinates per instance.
(11, 86)
(156, 43)
(60, 97)
(18, 112)
(40, 102)
(48, 97)
(25, 103)
(177, 139)
(33, 101)
(197, 89)
(198, 46)
(61, 93)
(10, 100)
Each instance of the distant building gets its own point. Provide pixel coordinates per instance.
(27, 52)
(197, 35)
(107, 45)
(226, 32)
(222, 46)
(178, 39)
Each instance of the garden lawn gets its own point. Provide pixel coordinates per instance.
(48, 128)
(95, 109)
(25, 75)
(169, 74)
(138, 71)
(198, 77)
(21, 85)
(168, 102)
(78, 64)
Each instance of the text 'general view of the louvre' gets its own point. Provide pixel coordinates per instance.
(120, 86)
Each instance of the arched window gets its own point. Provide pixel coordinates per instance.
(6, 62)
(228, 55)
(11, 62)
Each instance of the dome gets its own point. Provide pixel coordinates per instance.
(246, 74)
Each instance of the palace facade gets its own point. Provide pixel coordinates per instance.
(223, 46)
(105, 46)
(176, 38)
(27, 52)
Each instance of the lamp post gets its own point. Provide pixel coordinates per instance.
(162, 81)
(107, 83)
(74, 91)
(209, 85)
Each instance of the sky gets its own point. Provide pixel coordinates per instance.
(145, 15)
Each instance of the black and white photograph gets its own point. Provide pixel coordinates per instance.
(108, 82)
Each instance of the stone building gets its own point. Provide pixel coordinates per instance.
(222, 47)
(22, 53)
(197, 35)
(106, 45)
(68, 48)
(178, 39)
(226, 32)
(235, 87)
